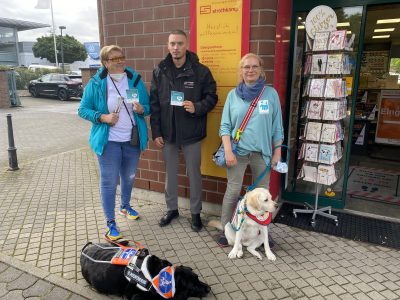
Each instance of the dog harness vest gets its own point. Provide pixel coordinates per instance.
(123, 256)
(164, 282)
(137, 272)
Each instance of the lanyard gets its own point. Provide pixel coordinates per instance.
(247, 117)
(123, 101)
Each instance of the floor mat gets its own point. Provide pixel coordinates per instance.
(354, 227)
(374, 184)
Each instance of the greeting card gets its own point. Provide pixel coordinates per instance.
(319, 63)
(321, 41)
(315, 109)
(333, 88)
(317, 88)
(337, 40)
(327, 154)
(313, 131)
(328, 133)
(334, 64)
(331, 110)
(326, 174)
(311, 152)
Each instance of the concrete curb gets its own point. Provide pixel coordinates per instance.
(51, 278)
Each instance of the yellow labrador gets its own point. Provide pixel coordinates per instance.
(249, 227)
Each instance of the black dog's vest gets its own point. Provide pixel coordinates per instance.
(136, 272)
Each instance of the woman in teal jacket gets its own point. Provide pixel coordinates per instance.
(116, 102)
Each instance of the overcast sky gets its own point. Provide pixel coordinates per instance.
(79, 16)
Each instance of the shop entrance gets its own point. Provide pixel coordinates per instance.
(374, 166)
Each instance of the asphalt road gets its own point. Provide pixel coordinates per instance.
(42, 127)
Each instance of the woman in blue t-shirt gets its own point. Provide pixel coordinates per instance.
(263, 132)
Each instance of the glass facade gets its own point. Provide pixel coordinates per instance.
(8, 47)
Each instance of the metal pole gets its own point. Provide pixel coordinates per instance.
(62, 48)
(54, 32)
(12, 151)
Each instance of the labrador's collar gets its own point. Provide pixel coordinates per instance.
(264, 220)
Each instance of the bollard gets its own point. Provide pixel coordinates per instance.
(12, 151)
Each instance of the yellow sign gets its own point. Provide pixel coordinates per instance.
(221, 38)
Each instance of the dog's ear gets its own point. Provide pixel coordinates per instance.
(253, 200)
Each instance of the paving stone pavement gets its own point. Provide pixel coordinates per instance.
(51, 207)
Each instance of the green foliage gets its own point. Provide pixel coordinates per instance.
(5, 68)
(73, 49)
(24, 76)
(395, 65)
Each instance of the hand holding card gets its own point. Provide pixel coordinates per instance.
(177, 98)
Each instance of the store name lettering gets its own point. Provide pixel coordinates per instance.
(321, 21)
(390, 112)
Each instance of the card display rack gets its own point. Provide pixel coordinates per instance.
(324, 106)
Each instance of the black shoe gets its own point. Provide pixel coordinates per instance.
(222, 241)
(168, 217)
(271, 242)
(197, 225)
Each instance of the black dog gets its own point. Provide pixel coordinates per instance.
(110, 279)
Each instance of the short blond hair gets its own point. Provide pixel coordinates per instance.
(251, 55)
(105, 51)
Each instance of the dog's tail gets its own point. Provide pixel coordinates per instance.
(215, 223)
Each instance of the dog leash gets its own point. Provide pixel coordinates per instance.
(267, 168)
(244, 211)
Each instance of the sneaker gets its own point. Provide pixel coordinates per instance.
(222, 241)
(113, 232)
(130, 213)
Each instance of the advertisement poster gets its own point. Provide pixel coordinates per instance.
(220, 36)
(388, 127)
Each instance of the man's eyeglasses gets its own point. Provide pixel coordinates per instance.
(248, 68)
(117, 59)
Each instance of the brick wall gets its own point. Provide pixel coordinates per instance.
(87, 73)
(4, 92)
(141, 27)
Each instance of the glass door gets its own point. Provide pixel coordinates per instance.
(295, 188)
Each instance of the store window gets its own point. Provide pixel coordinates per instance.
(8, 47)
(349, 19)
(374, 166)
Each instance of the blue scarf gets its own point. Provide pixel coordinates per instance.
(249, 92)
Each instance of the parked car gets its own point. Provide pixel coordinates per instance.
(75, 77)
(57, 85)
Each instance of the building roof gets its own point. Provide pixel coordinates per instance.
(21, 25)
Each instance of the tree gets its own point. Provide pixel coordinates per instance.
(73, 49)
(395, 65)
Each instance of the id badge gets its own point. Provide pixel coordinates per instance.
(177, 98)
(132, 95)
(263, 107)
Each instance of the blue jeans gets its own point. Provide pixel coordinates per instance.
(118, 161)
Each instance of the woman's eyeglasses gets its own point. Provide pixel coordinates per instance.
(117, 59)
(248, 68)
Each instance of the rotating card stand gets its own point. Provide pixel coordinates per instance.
(314, 210)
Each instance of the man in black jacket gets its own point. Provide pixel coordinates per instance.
(182, 92)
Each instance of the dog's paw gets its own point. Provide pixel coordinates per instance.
(234, 253)
(240, 253)
(270, 255)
